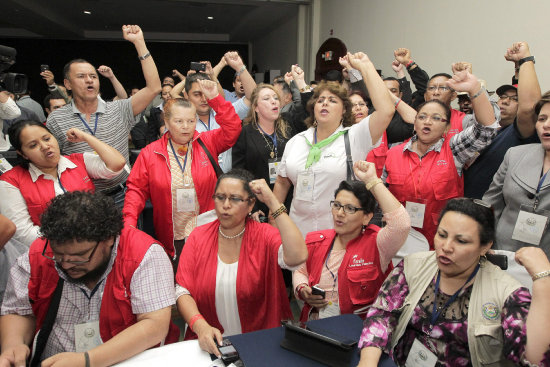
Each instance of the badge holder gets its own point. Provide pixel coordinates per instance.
(273, 168)
(185, 199)
(416, 209)
(304, 187)
(530, 225)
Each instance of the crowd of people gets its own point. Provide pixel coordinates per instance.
(328, 181)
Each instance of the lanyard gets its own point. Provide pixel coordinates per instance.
(435, 312)
(203, 124)
(86, 124)
(272, 137)
(315, 136)
(541, 181)
(176, 156)
(60, 184)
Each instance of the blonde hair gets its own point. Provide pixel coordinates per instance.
(338, 90)
(281, 126)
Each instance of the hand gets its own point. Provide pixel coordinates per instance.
(234, 61)
(262, 191)
(132, 33)
(297, 72)
(397, 66)
(518, 51)
(288, 77)
(463, 80)
(316, 301)
(344, 62)
(208, 68)
(365, 171)
(403, 55)
(15, 356)
(75, 135)
(65, 359)
(208, 88)
(345, 73)
(358, 60)
(48, 77)
(4, 96)
(208, 336)
(175, 72)
(257, 214)
(533, 259)
(106, 71)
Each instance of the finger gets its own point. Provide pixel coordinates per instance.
(212, 347)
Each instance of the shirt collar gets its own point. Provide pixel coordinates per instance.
(100, 106)
(309, 132)
(62, 165)
(437, 146)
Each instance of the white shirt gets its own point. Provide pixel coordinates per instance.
(13, 205)
(8, 111)
(328, 172)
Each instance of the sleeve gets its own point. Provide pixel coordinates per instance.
(398, 130)
(405, 87)
(219, 140)
(393, 235)
(127, 113)
(494, 196)
(152, 284)
(382, 317)
(16, 297)
(238, 153)
(138, 191)
(14, 206)
(281, 260)
(361, 140)
(9, 110)
(419, 78)
(240, 108)
(467, 143)
(96, 168)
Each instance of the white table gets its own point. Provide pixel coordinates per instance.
(182, 354)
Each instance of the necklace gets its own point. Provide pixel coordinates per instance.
(231, 237)
(272, 148)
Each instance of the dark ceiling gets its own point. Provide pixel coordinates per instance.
(168, 20)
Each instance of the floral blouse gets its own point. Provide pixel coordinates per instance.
(448, 338)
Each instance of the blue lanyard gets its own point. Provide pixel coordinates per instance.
(334, 277)
(176, 156)
(435, 312)
(86, 124)
(315, 136)
(203, 124)
(60, 184)
(541, 181)
(272, 137)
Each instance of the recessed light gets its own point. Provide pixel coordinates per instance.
(87, 12)
(210, 18)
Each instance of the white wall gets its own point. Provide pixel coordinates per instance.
(439, 33)
(277, 49)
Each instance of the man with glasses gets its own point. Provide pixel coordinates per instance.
(517, 124)
(95, 293)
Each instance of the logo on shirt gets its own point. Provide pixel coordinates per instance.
(490, 311)
(441, 162)
(357, 262)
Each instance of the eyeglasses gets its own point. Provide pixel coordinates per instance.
(358, 104)
(434, 118)
(441, 88)
(74, 262)
(504, 97)
(236, 200)
(349, 209)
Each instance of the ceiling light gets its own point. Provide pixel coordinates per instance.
(210, 18)
(87, 12)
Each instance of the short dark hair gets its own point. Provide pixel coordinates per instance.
(543, 100)
(358, 188)
(14, 133)
(479, 211)
(67, 67)
(53, 95)
(436, 101)
(393, 79)
(448, 76)
(193, 78)
(240, 174)
(81, 216)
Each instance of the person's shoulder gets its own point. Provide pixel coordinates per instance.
(521, 150)
(316, 237)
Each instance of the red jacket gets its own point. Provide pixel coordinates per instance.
(151, 177)
(456, 123)
(360, 274)
(261, 294)
(115, 314)
(38, 194)
(433, 179)
(378, 155)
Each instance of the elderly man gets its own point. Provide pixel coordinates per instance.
(92, 292)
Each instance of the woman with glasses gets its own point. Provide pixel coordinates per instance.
(44, 173)
(228, 278)
(350, 262)
(426, 171)
(176, 172)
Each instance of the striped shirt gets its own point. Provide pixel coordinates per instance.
(114, 122)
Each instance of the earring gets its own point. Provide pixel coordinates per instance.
(314, 122)
(482, 259)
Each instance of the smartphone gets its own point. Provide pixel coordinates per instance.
(499, 260)
(228, 352)
(198, 66)
(320, 334)
(315, 290)
(44, 67)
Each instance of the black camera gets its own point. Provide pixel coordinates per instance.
(13, 82)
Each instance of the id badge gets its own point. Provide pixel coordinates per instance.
(416, 209)
(420, 356)
(530, 226)
(87, 336)
(332, 309)
(4, 165)
(304, 187)
(273, 165)
(186, 200)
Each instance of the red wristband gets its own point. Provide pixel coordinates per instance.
(409, 63)
(300, 287)
(397, 104)
(194, 319)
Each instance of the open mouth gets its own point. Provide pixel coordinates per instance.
(426, 130)
(444, 260)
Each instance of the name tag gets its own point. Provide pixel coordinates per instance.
(420, 356)
(416, 209)
(332, 309)
(4, 165)
(304, 186)
(87, 336)
(530, 226)
(185, 200)
(273, 165)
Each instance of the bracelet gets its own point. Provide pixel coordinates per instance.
(87, 359)
(281, 210)
(481, 90)
(410, 64)
(52, 87)
(300, 287)
(307, 88)
(241, 70)
(525, 59)
(145, 56)
(542, 274)
(397, 103)
(194, 319)
(373, 183)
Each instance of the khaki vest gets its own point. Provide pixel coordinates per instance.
(491, 288)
